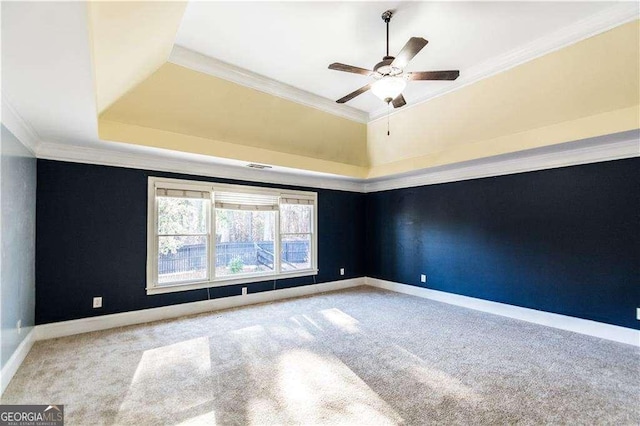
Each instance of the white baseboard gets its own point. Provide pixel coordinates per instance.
(14, 362)
(103, 322)
(563, 322)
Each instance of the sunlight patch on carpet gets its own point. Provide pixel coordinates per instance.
(173, 374)
(341, 320)
(208, 419)
(438, 381)
(316, 388)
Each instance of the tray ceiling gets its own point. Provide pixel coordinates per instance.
(294, 42)
(51, 84)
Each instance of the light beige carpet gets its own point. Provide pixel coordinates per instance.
(362, 356)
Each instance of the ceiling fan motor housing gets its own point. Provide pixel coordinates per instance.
(384, 68)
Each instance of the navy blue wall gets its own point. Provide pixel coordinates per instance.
(91, 241)
(564, 240)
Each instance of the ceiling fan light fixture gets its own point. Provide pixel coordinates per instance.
(388, 88)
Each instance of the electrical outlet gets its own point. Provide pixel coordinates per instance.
(97, 302)
(341, 271)
(19, 326)
(244, 291)
(423, 278)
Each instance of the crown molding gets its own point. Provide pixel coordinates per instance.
(593, 150)
(198, 62)
(117, 155)
(20, 128)
(605, 20)
(603, 148)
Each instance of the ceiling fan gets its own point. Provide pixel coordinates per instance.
(389, 75)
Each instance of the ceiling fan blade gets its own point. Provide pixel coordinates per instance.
(399, 101)
(349, 68)
(411, 49)
(352, 95)
(433, 75)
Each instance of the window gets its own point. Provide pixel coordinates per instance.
(295, 234)
(203, 235)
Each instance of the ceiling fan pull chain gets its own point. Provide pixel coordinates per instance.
(388, 113)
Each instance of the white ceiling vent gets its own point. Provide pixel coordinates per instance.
(258, 166)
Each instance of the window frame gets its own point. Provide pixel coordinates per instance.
(152, 285)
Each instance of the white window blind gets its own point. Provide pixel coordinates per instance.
(296, 200)
(181, 193)
(244, 201)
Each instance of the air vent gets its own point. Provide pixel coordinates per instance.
(258, 166)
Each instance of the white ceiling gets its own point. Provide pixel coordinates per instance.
(46, 68)
(294, 42)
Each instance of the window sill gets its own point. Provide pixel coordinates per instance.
(222, 283)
